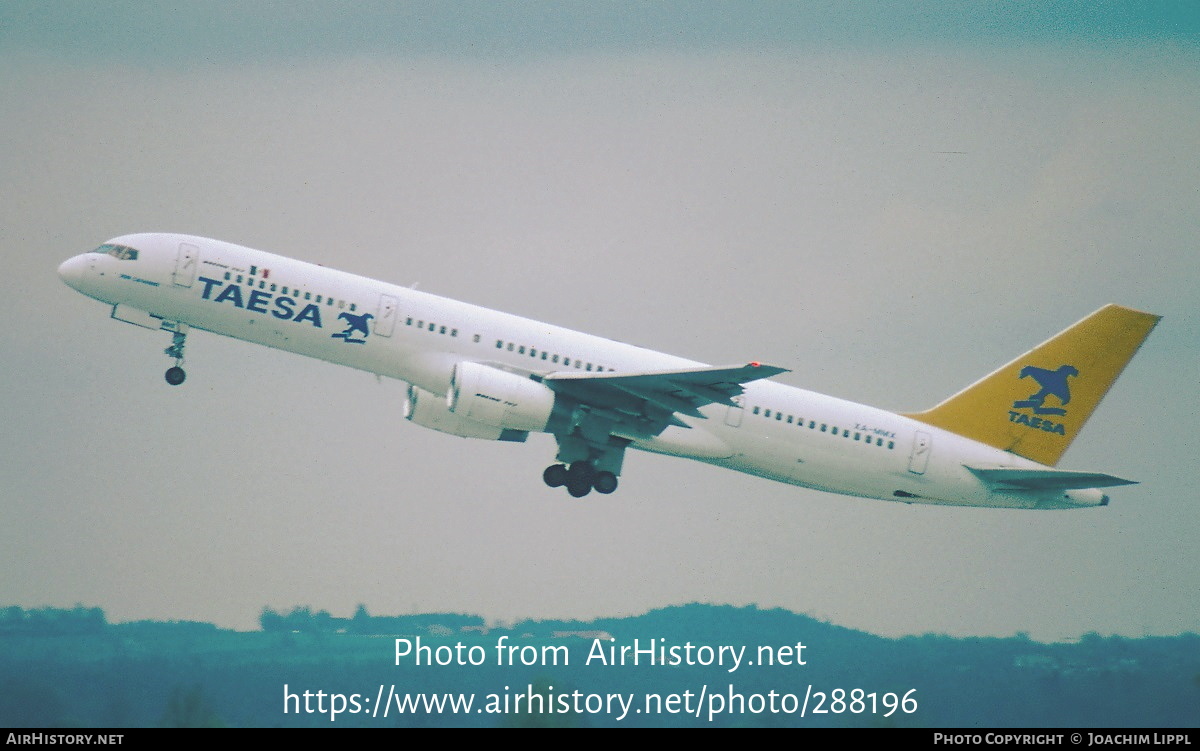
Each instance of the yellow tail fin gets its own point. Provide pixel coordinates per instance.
(1036, 405)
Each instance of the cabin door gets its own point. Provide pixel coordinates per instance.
(185, 265)
(385, 321)
(922, 443)
(733, 417)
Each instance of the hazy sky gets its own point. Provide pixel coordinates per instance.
(889, 199)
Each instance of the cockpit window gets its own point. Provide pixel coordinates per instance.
(119, 252)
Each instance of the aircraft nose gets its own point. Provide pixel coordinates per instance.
(71, 271)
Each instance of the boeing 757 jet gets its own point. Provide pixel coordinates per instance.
(480, 373)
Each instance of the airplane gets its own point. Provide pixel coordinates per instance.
(480, 373)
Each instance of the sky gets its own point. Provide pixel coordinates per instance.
(888, 199)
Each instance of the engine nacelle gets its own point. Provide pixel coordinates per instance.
(496, 397)
(429, 411)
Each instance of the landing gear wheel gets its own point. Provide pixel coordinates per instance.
(581, 471)
(555, 475)
(579, 487)
(604, 482)
(175, 375)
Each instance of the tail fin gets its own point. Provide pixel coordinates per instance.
(1036, 405)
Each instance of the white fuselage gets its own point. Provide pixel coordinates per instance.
(778, 431)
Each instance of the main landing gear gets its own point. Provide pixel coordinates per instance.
(580, 478)
(176, 374)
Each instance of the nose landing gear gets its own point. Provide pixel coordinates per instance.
(175, 375)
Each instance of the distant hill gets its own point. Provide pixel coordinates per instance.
(72, 668)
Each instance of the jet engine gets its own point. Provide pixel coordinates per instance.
(430, 411)
(496, 397)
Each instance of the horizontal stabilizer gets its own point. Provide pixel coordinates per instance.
(1011, 478)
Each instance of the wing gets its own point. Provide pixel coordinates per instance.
(655, 396)
(614, 409)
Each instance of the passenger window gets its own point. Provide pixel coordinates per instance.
(755, 410)
(499, 344)
(544, 354)
(510, 347)
(442, 330)
(567, 361)
(521, 350)
(353, 307)
(239, 279)
(779, 416)
(227, 276)
(589, 366)
(554, 359)
(891, 444)
(767, 413)
(823, 426)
